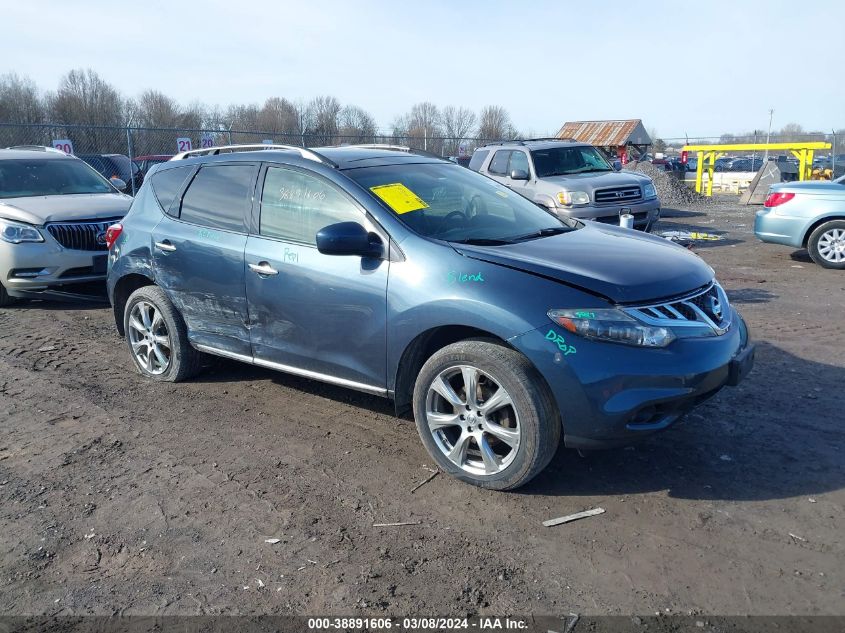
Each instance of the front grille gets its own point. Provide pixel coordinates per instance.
(87, 235)
(618, 195)
(708, 307)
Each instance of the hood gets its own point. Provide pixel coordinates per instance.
(598, 180)
(40, 210)
(812, 187)
(622, 265)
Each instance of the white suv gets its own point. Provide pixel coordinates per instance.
(54, 212)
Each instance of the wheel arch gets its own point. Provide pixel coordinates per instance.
(817, 223)
(125, 286)
(420, 349)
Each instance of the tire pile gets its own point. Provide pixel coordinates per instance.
(671, 191)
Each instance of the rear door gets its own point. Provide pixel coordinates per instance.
(198, 254)
(322, 316)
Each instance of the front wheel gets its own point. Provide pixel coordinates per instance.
(827, 245)
(485, 414)
(158, 338)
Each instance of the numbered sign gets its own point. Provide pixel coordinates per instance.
(183, 145)
(463, 149)
(63, 144)
(207, 140)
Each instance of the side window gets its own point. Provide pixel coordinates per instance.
(167, 184)
(219, 197)
(296, 205)
(499, 164)
(518, 161)
(477, 159)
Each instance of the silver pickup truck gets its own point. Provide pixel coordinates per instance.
(570, 178)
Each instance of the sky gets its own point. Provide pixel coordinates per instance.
(683, 67)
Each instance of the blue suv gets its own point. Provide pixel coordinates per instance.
(502, 326)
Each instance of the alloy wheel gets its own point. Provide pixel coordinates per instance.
(831, 245)
(149, 338)
(473, 420)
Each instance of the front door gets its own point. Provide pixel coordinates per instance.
(198, 255)
(322, 316)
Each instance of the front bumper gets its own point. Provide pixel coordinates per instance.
(30, 269)
(611, 394)
(646, 213)
(779, 229)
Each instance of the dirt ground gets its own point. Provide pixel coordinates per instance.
(119, 495)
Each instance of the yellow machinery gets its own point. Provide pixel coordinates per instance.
(707, 155)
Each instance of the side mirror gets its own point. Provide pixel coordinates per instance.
(349, 238)
(119, 184)
(617, 165)
(519, 174)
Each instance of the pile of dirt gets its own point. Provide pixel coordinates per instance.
(671, 191)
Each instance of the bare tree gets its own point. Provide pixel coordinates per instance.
(356, 125)
(324, 112)
(20, 102)
(457, 124)
(495, 124)
(278, 117)
(83, 98)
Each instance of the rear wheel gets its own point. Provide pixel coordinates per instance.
(485, 415)
(5, 299)
(827, 245)
(158, 338)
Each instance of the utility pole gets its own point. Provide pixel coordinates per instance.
(768, 136)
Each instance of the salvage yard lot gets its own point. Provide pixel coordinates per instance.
(120, 495)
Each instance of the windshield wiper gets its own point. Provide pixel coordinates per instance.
(552, 230)
(482, 241)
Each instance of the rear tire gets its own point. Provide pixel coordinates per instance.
(827, 245)
(158, 338)
(5, 299)
(501, 437)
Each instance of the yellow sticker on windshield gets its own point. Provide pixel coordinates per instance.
(399, 198)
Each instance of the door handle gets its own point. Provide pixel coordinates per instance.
(165, 246)
(263, 268)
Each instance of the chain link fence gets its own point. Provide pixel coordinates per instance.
(136, 142)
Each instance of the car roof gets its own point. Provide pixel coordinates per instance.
(47, 153)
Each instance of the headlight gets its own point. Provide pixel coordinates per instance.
(611, 325)
(569, 198)
(649, 191)
(15, 233)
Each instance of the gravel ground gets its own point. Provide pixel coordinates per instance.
(119, 495)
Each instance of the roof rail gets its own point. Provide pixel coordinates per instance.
(214, 151)
(37, 148)
(396, 148)
(531, 140)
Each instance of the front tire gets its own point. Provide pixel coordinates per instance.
(158, 338)
(485, 414)
(827, 245)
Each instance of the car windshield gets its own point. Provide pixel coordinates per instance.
(451, 203)
(562, 161)
(39, 177)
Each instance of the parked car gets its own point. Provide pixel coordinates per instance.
(116, 167)
(808, 214)
(745, 164)
(54, 212)
(145, 162)
(570, 179)
(503, 326)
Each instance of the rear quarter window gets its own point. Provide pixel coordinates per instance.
(167, 185)
(478, 158)
(219, 196)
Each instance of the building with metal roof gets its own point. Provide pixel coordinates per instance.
(615, 137)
